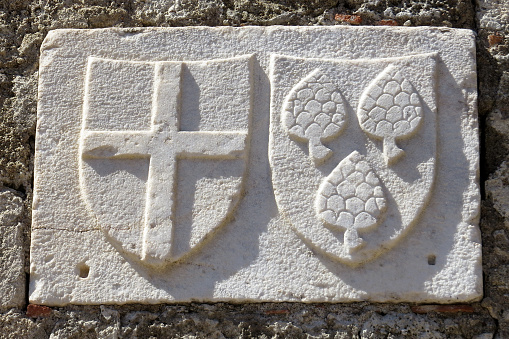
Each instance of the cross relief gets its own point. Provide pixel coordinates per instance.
(164, 143)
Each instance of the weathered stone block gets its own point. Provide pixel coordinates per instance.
(12, 273)
(256, 164)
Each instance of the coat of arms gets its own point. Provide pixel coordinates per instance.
(353, 150)
(159, 168)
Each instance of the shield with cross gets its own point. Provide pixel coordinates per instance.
(164, 150)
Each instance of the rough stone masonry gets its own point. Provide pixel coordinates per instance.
(25, 24)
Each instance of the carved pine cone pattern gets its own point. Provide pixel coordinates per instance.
(351, 197)
(314, 108)
(390, 106)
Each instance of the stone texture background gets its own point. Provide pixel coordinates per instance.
(23, 26)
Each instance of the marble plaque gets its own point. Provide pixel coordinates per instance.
(255, 164)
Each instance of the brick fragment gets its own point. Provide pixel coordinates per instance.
(34, 311)
(495, 39)
(349, 19)
(422, 309)
(388, 22)
(277, 312)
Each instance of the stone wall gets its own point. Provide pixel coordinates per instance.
(23, 26)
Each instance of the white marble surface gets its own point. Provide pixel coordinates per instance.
(307, 164)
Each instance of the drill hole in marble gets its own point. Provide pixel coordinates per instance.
(83, 270)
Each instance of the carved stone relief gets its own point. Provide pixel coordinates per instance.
(141, 165)
(361, 201)
(313, 164)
